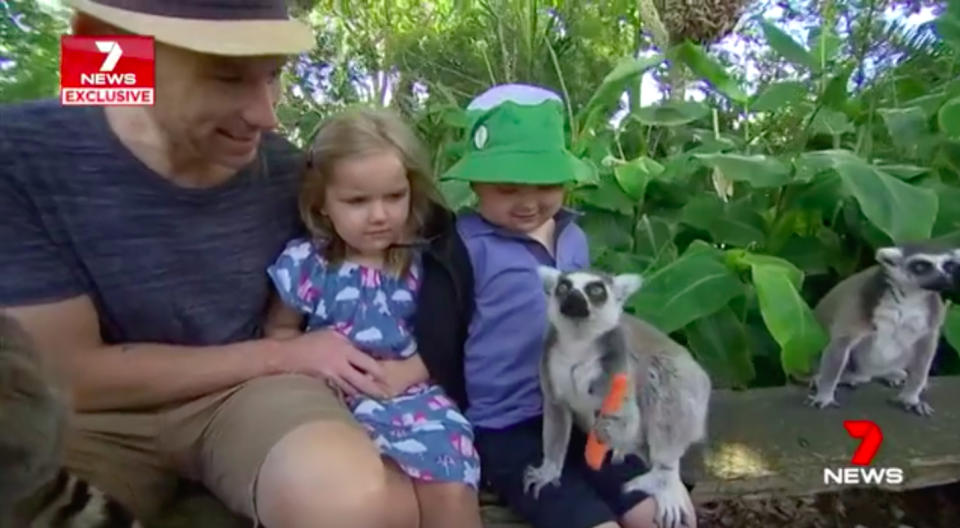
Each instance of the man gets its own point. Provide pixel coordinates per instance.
(133, 247)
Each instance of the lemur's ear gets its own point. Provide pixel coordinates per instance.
(625, 285)
(889, 256)
(549, 276)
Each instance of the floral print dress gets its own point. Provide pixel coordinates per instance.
(422, 429)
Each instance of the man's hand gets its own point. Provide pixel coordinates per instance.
(331, 356)
(400, 374)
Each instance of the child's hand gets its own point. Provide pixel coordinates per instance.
(400, 374)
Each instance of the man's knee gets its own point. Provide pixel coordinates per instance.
(327, 474)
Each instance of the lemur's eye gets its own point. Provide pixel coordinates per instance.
(920, 267)
(596, 291)
(563, 288)
(950, 267)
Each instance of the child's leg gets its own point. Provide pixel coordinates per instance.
(400, 485)
(635, 509)
(574, 503)
(447, 504)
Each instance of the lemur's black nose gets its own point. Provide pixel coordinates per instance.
(574, 305)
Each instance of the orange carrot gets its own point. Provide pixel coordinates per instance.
(596, 451)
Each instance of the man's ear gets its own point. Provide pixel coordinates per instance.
(889, 256)
(549, 276)
(625, 285)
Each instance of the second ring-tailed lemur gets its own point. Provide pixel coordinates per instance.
(590, 340)
(884, 323)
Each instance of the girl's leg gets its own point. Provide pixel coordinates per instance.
(641, 515)
(446, 504)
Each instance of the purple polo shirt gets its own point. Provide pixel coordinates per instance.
(502, 352)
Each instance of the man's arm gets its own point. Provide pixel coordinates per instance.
(136, 374)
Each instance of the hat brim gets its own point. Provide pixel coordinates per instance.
(529, 168)
(217, 37)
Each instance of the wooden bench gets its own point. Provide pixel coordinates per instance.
(763, 442)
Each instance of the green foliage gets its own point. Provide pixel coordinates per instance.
(30, 40)
(738, 232)
(740, 209)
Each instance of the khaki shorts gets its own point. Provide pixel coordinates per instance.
(220, 440)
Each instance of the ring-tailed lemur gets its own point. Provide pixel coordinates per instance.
(884, 323)
(589, 340)
(35, 490)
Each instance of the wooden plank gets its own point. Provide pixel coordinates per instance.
(768, 442)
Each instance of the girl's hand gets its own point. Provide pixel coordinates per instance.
(400, 374)
(329, 355)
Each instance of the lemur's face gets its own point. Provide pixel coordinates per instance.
(917, 268)
(587, 296)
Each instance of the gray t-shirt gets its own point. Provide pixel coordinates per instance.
(79, 214)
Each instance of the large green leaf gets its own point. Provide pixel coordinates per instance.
(757, 170)
(948, 24)
(948, 212)
(614, 261)
(788, 48)
(634, 176)
(904, 212)
(709, 69)
(831, 122)
(789, 319)
(901, 210)
(708, 213)
(824, 45)
(908, 129)
(611, 88)
(812, 255)
(654, 240)
(904, 172)
(606, 230)
(835, 94)
(747, 260)
(949, 118)
(671, 113)
(719, 342)
(606, 195)
(779, 96)
(951, 327)
(691, 287)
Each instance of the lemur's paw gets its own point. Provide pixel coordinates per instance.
(535, 478)
(674, 508)
(914, 405)
(821, 401)
(650, 483)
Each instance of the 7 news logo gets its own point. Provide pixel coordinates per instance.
(870, 437)
(107, 70)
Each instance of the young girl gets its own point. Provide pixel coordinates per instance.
(365, 200)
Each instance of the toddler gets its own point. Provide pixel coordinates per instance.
(365, 198)
(517, 165)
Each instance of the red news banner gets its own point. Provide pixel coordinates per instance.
(107, 70)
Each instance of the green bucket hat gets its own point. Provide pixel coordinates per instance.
(515, 135)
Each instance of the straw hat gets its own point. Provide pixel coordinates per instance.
(235, 28)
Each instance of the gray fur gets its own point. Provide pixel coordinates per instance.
(663, 414)
(884, 323)
(35, 490)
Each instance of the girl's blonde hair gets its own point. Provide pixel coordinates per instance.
(363, 132)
